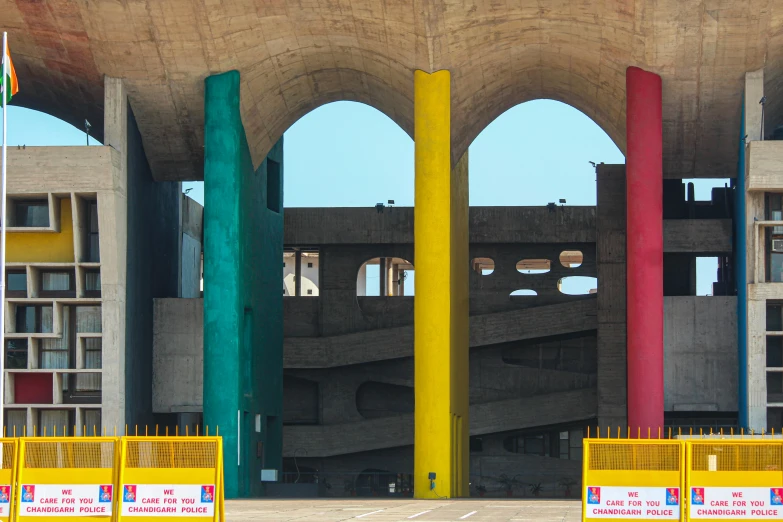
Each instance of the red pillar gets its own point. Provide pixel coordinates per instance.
(644, 204)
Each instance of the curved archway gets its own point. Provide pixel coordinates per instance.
(537, 153)
(342, 142)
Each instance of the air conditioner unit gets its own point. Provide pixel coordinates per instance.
(777, 245)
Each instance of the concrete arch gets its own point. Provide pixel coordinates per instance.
(269, 114)
(606, 108)
(295, 57)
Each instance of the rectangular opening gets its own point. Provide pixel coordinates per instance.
(57, 283)
(82, 388)
(774, 317)
(774, 351)
(88, 319)
(56, 422)
(706, 275)
(92, 422)
(31, 213)
(92, 283)
(16, 283)
(774, 387)
(92, 253)
(34, 319)
(15, 423)
(273, 192)
(16, 354)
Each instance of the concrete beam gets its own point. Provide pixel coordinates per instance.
(332, 226)
(697, 236)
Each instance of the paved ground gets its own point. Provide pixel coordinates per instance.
(473, 510)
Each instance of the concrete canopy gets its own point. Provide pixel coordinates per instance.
(294, 56)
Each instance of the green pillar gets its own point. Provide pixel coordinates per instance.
(243, 280)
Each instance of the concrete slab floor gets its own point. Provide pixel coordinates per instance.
(370, 510)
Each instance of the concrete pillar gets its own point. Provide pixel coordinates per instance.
(382, 273)
(752, 345)
(113, 226)
(298, 273)
(610, 250)
(243, 306)
(644, 243)
(441, 297)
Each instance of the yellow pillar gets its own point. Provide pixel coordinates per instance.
(441, 296)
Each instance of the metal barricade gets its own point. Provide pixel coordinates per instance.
(66, 477)
(179, 478)
(633, 479)
(735, 479)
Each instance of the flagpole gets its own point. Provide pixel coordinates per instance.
(6, 90)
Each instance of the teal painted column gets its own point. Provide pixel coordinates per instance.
(243, 298)
(222, 266)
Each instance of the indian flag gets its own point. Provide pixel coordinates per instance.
(9, 79)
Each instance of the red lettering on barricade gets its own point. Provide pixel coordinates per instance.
(649, 503)
(154, 500)
(70, 500)
(722, 502)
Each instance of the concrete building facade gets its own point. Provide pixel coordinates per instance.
(84, 223)
(207, 93)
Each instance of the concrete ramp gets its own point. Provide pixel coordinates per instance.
(395, 343)
(389, 432)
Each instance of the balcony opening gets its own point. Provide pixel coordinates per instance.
(571, 258)
(385, 277)
(534, 266)
(483, 265)
(578, 285)
(300, 272)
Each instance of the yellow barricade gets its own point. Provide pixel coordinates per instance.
(632, 479)
(737, 479)
(66, 477)
(179, 478)
(7, 477)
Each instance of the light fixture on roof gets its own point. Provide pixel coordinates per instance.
(379, 208)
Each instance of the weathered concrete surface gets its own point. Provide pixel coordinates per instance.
(697, 236)
(399, 510)
(330, 226)
(763, 166)
(294, 58)
(610, 248)
(177, 355)
(389, 343)
(490, 225)
(700, 353)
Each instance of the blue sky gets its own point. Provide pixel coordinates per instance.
(349, 154)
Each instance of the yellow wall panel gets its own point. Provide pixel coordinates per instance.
(43, 247)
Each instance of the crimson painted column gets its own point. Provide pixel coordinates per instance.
(644, 204)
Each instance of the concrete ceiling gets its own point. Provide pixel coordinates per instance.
(295, 55)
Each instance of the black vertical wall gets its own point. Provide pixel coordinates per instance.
(153, 260)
